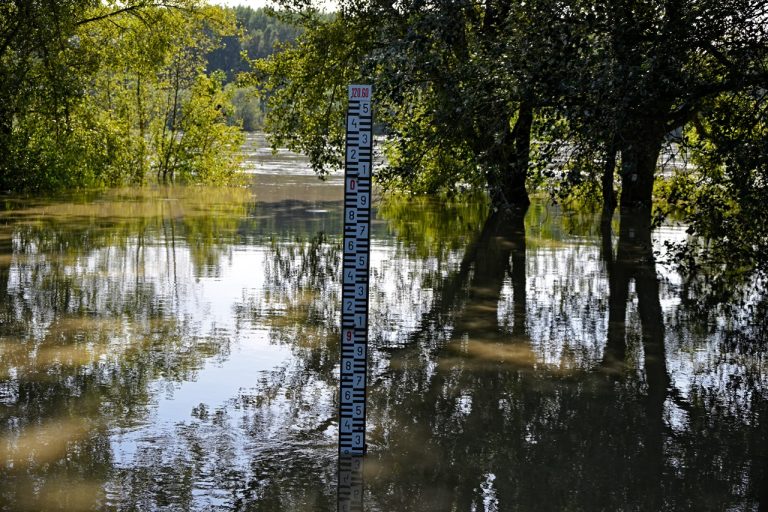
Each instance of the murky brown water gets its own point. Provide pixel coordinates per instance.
(177, 349)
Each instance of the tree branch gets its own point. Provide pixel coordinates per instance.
(690, 106)
(719, 56)
(131, 9)
(110, 14)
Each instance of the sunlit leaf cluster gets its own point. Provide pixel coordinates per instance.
(111, 93)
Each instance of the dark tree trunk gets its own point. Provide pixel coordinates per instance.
(654, 347)
(508, 167)
(609, 194)
(515, 237)
(634, 261)
(614, 358)
(639, 155)
(637, 231)
(501, 253)
(521, 137)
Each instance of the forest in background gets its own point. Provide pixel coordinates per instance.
(259, 34)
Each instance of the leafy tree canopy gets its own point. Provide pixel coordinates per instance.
(106, 93)
(500, 94)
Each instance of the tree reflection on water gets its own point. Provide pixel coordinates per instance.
(541, 361)
(486, 423)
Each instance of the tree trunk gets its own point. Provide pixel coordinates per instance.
(619, 273)
(654, 347)
(501, 255)
(509, 166)
(639, 155)
(609, 194)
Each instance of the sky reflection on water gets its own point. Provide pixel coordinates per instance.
(177, 349)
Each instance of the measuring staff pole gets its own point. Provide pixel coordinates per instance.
(354, 307)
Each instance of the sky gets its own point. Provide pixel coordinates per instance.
(328, 4)
(250, 3)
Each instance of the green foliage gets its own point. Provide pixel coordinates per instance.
(456, 97)
(248, 109)
(507, 95)
(450, 90)
(113, 94)
(433, 231)
(174, 114)
(645, 69)
(205, 148)
(723, 201)
(420, 161)
(259, 32)
(305, 86)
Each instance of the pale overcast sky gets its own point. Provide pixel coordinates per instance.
(329, 5)
(250, 3)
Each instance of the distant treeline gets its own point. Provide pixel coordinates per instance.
(259, 32)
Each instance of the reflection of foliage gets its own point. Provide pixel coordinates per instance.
(431, 227)
(469, 418)
(466, 409)
(88, 326)
(301, 304)
(63, 387)
(255, 472)
(551, 224)
(272, 446)
(736, 300)
(202, 218)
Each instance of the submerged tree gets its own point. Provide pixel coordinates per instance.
(653, 69)
(462, 90)
(457, 86)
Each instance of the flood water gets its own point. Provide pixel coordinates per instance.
(177, 349)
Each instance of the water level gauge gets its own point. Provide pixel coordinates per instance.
(354, 312)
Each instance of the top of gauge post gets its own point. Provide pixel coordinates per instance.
(359, 92)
